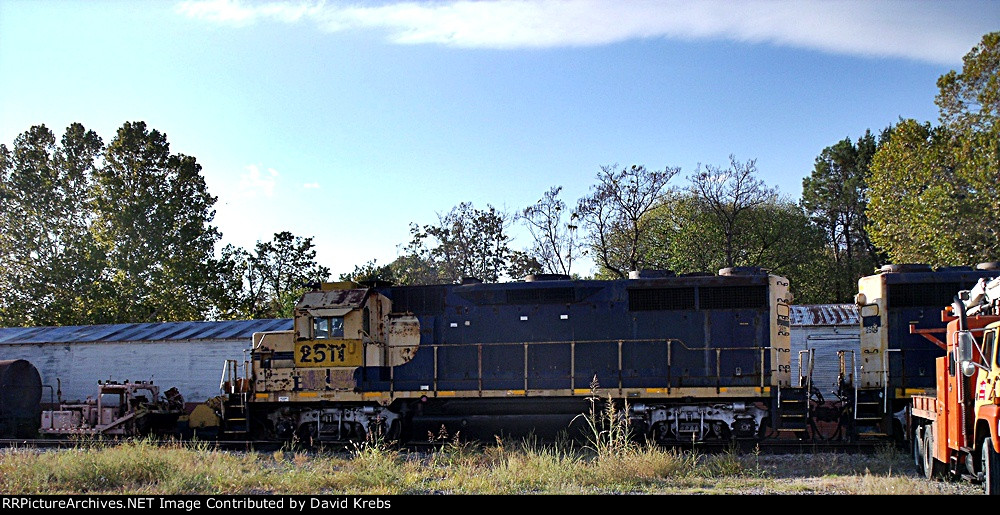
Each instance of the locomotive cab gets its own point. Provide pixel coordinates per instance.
(296, 376)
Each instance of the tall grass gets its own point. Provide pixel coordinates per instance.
(525, 466)
(608, 431)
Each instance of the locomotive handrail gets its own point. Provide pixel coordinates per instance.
(225, 374)
(564, 342)
(619, 371)
(885, 378)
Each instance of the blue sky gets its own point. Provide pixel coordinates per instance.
(346, 121)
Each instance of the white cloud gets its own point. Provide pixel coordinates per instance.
(933, 31)
(255, 183)
(311, 185)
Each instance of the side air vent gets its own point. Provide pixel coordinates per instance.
(741, 297)
(660, 299)
(540, 295)
(418, 299)
(911, 295)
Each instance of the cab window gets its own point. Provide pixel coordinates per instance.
(989, 342)
(328, 327)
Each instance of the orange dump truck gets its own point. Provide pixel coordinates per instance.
(954, 432)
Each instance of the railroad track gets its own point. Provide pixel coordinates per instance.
(58, 443)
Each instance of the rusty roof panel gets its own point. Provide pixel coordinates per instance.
(161, 331)
(825, 314)
(332, 299)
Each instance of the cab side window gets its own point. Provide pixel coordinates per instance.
(328, 327)
(989, 343)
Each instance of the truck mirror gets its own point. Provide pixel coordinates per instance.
(966, 343)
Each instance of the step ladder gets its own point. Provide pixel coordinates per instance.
(793, 409)
(793, 402)
(235, 387)
(869, 411)
(868, 406)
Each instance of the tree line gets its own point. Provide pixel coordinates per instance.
(95, 233)
(122, 232)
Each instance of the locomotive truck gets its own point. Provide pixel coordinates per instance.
(954, 430)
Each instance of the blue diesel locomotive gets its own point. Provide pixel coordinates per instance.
(694, 358)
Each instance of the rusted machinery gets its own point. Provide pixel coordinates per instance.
(121, 409)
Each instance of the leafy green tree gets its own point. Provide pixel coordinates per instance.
(370, 272)
(834, 196)
(933, 189)
(152, 220)
(466, 242)
(614, 214)
(408, 269)
(767, 232)
(969, 103)
(49, 260)
(922, 206)
(273, 276)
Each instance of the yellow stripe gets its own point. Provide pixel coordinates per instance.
(581, 391)
(260, 396)
(369, 395)
(308, 394)
(656, 390)
(444, 393)
(765, 389)
(723, 389)
(515, 392)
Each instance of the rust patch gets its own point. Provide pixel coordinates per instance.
(342, 378)
(333, 299)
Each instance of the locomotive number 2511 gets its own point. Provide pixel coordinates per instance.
(332, 353)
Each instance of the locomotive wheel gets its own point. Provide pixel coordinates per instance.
(918, 448)
(991, 469)
(395, 432)
(765, 423)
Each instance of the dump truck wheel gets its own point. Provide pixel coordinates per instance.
(931, 467)
(918, 449)
(991, 469)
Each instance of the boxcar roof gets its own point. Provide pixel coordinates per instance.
(160, 331)
(824, 314)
